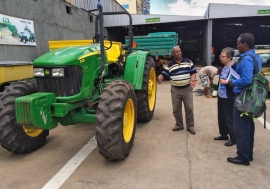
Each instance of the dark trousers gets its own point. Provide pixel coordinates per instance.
(244, 129)
(225, 117)
(180, 96)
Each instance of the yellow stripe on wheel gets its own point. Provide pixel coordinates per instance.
(32, 132)
(128, 121)
(152, 84)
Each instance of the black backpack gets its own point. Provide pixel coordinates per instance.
(252, 99)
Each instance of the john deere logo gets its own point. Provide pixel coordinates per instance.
(47, 72)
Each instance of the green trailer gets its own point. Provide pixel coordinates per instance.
(159, 45)
(104, 83)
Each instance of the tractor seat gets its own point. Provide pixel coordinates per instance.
(113, 53)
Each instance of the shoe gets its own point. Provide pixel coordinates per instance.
(191, 130)
(209, 96)
(222, 137)
(237, 161)
(229, 143)
(177, 128)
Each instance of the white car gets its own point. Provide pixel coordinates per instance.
(264, 52)
(236, 56)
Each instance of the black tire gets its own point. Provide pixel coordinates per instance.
(24, 41)
(13, 137)
(116, 120)
(146, 98)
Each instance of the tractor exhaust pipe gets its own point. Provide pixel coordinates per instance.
(101, 38)
(100, 35)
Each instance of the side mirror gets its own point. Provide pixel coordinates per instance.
(180, 42)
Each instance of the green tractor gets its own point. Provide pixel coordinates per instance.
(95, 83)
(6, 24)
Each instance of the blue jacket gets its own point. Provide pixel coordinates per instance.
(245, 69)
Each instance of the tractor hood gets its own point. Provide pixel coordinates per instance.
(65, 56)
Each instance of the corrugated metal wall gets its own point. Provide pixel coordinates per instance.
(216, 10)
(108, 5)
(119, 20)
(51, 22)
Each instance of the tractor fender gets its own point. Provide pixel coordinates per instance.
(134, 68)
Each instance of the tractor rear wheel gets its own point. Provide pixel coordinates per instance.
(116, 120)
(146, 98)
(13, 137)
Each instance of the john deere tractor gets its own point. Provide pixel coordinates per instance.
(103, 83)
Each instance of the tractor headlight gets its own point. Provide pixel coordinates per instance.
(58, 72)
(39, 72)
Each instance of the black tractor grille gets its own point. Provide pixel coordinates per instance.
(62, 87)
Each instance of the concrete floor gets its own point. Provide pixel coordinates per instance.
(160, 158)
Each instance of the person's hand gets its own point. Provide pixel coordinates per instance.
(193, 83)
(223, 81)
(160, 78)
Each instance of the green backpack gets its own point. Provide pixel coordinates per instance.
(251, 101)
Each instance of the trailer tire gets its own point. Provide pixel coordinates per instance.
(116, 120)
(13, 137)
(146, 98)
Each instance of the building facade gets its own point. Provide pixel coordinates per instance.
(146, 6)
(70, 19)
(108, 5)
(132, 6)
(203, 35)
(52, 20)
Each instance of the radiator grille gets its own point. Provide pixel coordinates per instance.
(62, 87)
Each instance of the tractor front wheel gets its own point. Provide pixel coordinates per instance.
(146, 98)
(116, 120)
(13, 137)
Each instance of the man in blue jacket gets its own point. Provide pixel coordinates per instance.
(244, 127)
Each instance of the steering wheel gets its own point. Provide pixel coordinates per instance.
(105, 37)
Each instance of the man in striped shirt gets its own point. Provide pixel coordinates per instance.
(182, 74)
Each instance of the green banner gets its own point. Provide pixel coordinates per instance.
(263, 11)
(152, 20)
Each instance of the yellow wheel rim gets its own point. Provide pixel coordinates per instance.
(128, 120)
(152, 84)
(32, 132)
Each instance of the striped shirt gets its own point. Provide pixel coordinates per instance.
(179, 74)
